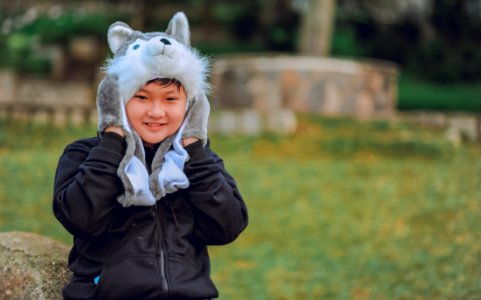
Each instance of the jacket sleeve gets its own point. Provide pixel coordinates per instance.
(86, 185)
(220, 211)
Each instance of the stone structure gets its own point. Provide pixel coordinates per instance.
(44, 100)
(252, 122)
(32, 266)
(459, 127)
(464, 128)
(325, 86)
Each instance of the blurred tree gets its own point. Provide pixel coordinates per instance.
(280, 25)
(316, 27)
(436, 39)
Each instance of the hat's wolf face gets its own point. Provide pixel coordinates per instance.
(140, 57)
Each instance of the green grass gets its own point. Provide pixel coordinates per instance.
(418, 94)
(340, 210)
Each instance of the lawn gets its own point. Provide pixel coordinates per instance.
(340, 210)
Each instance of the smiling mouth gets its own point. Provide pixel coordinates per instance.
(154, 124)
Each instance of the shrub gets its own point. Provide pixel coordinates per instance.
(450, 53)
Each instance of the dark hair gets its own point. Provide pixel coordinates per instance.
(166, 82)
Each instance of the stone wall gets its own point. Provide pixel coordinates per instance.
(459, 127)
(325, 86)
(45, 100)
(32, 267)
(251, 95)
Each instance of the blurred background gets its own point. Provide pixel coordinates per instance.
(435, 42)
(353, 128)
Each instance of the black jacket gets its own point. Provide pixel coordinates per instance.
(157, 252)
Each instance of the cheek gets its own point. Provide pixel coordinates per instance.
(179, 116)
(133, 111)
(180, 112)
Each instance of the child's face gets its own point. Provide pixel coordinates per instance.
(156, 111)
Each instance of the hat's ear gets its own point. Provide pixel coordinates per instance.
(179, 28)
(118, 33)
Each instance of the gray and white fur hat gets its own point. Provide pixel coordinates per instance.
(139, 57)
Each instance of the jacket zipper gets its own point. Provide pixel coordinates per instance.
(160, 251)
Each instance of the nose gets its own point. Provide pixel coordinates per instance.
(156, 110)
(165, 41)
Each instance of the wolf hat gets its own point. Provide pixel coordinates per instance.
(138, 58)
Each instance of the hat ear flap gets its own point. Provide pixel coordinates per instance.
(179, 28)
(118, 33)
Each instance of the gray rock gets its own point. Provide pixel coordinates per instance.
(32, 266)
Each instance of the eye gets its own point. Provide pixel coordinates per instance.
(140, 97)
(172, 99)
(136, 46)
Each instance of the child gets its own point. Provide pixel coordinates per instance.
(146, 197)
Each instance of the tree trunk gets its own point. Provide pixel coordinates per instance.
(316, 28)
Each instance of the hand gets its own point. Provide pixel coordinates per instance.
(116, 130)
(187, 141)
(197, 119)
(108, 104)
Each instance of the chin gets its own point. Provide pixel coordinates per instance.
(153, 141)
